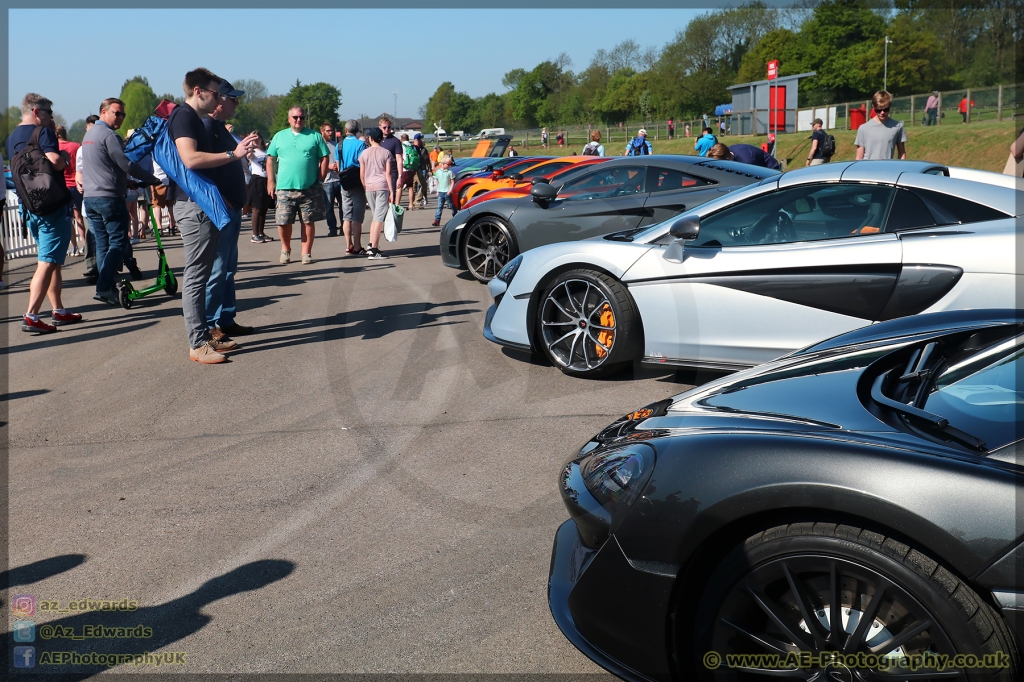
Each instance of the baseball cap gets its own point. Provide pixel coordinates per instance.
(418, 136)
(228, 90)
(642, 132)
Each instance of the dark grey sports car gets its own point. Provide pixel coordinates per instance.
(850, 512)
(618, 195)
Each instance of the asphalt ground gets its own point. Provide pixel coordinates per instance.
(368, 486)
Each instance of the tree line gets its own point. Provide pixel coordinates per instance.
(936, 45)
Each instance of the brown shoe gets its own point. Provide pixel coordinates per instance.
(222, 344)
(206, 354)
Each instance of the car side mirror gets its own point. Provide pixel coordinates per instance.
(534, 181)
(685, 227)
(515, 177)
(543, 193)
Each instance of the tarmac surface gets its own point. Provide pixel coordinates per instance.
(368, 486)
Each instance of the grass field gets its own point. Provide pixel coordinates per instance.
(977, 145)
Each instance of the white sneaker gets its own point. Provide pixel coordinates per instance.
(286, 257)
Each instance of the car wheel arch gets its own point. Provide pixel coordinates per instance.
(542, 285)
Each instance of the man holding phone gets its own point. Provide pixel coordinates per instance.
(332, 182)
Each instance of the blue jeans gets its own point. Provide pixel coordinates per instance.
(332, 194)
(220, 289)
(108, 217)
(443, 197)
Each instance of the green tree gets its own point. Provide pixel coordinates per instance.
(77, 130)
(11, 120)
(139, 103)
(320, 101)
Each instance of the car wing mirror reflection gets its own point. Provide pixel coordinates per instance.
(685, 227)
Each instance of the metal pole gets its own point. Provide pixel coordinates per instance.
(885, 74)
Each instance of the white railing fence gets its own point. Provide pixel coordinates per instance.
(16, 238)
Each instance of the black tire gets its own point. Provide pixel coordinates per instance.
(595, 296)
(487, 246)
(171, 288)
(124, 290)
(819, 560)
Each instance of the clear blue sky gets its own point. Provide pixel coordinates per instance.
(98, 49)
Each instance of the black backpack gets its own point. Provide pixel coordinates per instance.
(828, 146)
(41, 189)
(590, 149)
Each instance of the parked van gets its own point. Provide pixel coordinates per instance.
(489, 132)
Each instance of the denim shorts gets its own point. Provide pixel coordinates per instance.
(52, 233)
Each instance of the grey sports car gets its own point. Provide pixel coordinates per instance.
(619, 195)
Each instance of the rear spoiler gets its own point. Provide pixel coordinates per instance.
(987, 177)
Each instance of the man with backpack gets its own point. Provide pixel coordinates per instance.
(410, 164)
(639, 146)
(823, 145)
(37, 166)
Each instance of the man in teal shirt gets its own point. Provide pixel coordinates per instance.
(301, 157)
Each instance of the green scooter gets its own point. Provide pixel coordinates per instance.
(165, 280)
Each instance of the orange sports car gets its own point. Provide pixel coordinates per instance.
(510, 176)
(522, 189)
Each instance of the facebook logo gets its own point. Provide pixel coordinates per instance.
(24, 631)
(24, 657)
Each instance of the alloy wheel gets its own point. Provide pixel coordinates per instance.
(578, 325)
(785, 606)
(487, 249)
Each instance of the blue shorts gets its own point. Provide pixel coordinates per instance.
(52, 233)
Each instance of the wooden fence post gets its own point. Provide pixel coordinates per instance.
(939, 118)
(968, 105)
(999, 105)
(911, 111)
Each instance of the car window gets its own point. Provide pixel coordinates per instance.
(606, 183)
(545, 169)
(798, 214)
(947, 209)
(983, 398)
(561, 175)
(908, 213)
(665, 180)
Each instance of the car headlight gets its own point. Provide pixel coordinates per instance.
(599, 487)
(509, 271)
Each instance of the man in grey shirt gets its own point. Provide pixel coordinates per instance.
(332, 182)
(105, 171)
(877, 138)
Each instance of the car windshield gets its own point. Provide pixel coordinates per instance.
(544, 169)
(658, 233)
(984, 393)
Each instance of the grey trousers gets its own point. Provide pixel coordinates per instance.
(199, 237)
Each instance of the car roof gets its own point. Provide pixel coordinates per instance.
(695, 164)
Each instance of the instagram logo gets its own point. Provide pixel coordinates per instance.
(23, 605)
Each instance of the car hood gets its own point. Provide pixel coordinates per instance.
(615, 258)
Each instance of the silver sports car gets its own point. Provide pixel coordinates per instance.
(768, 269)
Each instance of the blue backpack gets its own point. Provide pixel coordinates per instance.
(143, 140)
(638, 147)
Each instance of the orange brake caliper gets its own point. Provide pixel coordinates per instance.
(605, 336)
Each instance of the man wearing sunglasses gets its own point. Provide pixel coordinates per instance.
(52, 231)
(296, 167)
(393, 145)
(879, 137)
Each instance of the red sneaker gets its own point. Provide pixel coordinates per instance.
(436, 223)
(37, 326)
(65, 318)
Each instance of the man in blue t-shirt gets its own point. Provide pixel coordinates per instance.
(52, 232)
(353, 197)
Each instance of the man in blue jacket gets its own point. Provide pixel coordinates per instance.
(744, 153)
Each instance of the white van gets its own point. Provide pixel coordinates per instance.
(489, 132)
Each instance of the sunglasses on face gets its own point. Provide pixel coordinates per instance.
(46, 111)
(216, 95)
(298, 118)
(385, 127)
(879, 111)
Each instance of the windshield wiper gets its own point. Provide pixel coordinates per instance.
(934, 421)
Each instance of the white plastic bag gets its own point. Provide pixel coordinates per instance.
(431, 185)
(390, 226)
